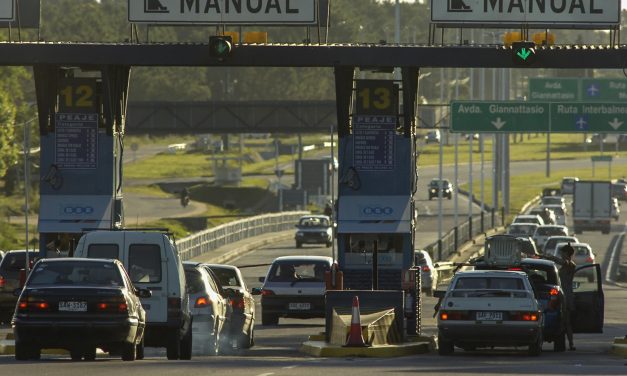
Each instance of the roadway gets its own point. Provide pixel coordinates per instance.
(276, 350)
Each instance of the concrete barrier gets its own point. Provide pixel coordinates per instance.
(377, 326)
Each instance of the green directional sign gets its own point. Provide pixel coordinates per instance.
(589, 117)
(603, 89)
(554, 89)
(601, 158)
(495, 117)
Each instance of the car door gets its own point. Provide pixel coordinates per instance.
(589, 300)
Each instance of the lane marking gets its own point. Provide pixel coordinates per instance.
(266, 374)
(610, 265)
(290, 367)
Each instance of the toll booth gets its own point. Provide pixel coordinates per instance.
(81, 126)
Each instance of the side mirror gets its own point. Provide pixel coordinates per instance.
(262, 279)
(256, 291)
(439, 293)
(144, 293)
(17, 291)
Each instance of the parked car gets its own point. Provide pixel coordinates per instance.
(153, 263)
(208, 306)
(522, 229)
(550, 245)
(436, 185)
(433, 136)
(79, 304)
(529, 218)
(314, 229)
(479, 299)
(294, 287)
(568, 185)
(10, 266)
(241, 326)
(428, 272)
(544, 232)
(615, 209)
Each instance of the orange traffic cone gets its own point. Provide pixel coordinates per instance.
(355, 338)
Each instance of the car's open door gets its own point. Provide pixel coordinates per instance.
(589, 299)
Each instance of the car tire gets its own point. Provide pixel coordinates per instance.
(173, 349)
(299, 245)
(186, 345)
(140, 350)
(535, 349)
(445, 347)
(25, 352)
(129, 352)
(268, 319)
(76, 354)
(90, 354)
(559, 344)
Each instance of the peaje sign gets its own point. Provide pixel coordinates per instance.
(234, 12)
(7, 10)
(532, 13)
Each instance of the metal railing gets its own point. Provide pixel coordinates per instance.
(208, 240)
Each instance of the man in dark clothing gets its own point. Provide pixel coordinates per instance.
(567, 273)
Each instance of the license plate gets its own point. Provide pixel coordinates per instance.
(489, 316)
(73, 306)
(300, 306)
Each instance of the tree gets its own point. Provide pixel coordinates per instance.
(8, 146)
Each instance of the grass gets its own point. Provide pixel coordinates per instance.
(150, 190)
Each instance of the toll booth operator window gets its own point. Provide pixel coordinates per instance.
(359, 248)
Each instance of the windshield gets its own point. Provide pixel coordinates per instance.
(522, 229)
(75, 273)
(226, 277)
(286, 271)
(313, 222)
(552, 200)
(494, 283)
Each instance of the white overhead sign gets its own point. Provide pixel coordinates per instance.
(544, 13)
(7, 10)
(235, 12)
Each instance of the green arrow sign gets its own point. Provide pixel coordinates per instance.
(506, 116)
(589, 117)
(554, 89)
(603, 89)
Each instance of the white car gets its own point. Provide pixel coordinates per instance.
(554, 200)
(428, 272)
(550, 245)
(529, 218)
(615, 209)
(487, 308)
(314, 229)
(544, 232)
(568, 185)
(560, 213)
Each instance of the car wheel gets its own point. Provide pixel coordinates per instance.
(90, 354)
(559, 344)
(445, 347)
(268, 319)
(535, 348)
(186, 345)
(173, 350)
(24, 351)
(76, 354)
(140, 350)
(129, 352)
(299, 245)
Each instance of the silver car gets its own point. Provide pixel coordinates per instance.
(542, 233)
(428, 273)
(550, 246)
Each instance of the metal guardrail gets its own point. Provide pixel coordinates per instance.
(208, 240)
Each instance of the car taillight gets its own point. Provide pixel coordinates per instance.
(515, 269)
(454, 315)
(202, 301)
(589, 260)
(265, 292)
(426, 268)
(238, 303)
(524, 316)
(2, 282)
(117, 304)
(553, 292)
(29, 304)
(174, 307)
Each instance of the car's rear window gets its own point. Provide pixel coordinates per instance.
(75, 273)
(104, 251)
(581, 251)
(195, 283)
(520, 229)
(14, 262)
(144, 263)
(550, 231)
(226, 277)
(489, 283)
(298, 271)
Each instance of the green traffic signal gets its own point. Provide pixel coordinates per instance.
(523, 53)
(220, 46)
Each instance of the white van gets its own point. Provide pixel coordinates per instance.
(153, 263)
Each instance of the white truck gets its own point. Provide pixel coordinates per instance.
(592, 206)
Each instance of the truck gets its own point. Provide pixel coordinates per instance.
(592, 206)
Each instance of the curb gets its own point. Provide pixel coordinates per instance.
(322, 349)
(619, 347)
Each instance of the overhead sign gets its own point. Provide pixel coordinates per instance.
(7, 10)
(533, 13)
(213, 12)
(603, 89)
(510, 116)
(578, 89)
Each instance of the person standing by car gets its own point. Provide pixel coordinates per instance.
(567, 273)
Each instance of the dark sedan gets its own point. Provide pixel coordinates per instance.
(79, 305)
(241, 324)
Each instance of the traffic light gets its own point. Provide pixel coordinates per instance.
(523, 53)
(220, 46)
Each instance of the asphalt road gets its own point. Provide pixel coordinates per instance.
(276, 350)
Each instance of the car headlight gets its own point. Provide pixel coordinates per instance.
(433, 190)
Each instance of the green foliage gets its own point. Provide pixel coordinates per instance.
(8, 147)
(8, 237)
